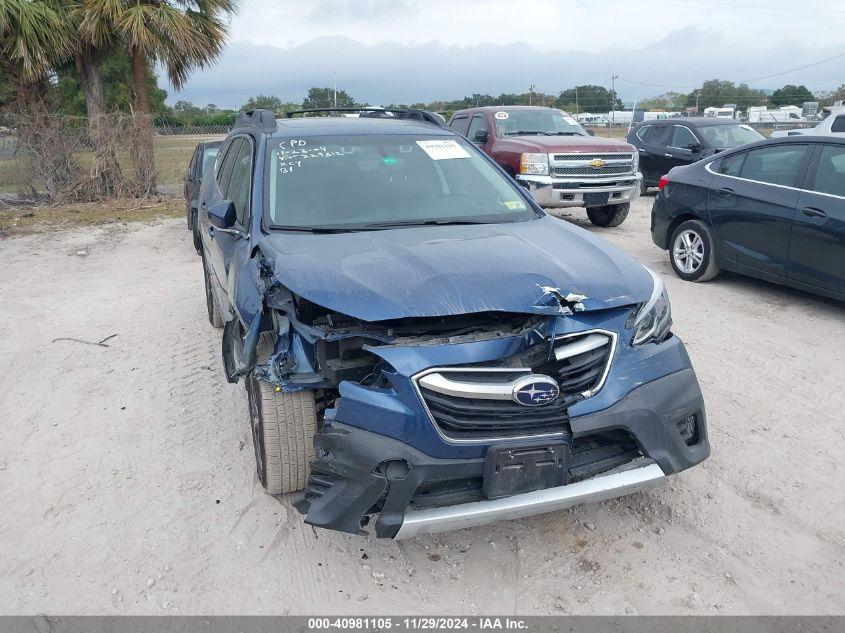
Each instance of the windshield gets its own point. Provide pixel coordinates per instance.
(368, 182)
(727, 136)
(537, 121)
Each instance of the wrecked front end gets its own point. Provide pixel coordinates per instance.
(435, 423)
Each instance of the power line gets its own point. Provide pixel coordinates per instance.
(792, 70)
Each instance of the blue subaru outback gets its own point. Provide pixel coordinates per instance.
(423, 348)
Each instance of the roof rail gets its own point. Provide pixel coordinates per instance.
(412, 114)
(264, 119)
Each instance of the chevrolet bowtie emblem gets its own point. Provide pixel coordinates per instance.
(597, 163)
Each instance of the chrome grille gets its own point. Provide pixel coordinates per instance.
(607, 170)
(474, 403)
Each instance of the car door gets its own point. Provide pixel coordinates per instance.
(190, 178)
(216, 192)
(751, 201)
(684, 147)
(238, 188)
(817, 248)
(653, 162)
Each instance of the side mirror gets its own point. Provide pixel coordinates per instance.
(591, 132)
(694, 147)
(222, 215)
(480, 136)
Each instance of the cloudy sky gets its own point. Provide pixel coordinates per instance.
(396, 51)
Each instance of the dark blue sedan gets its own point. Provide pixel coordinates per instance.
(420, 342)
(774, 210)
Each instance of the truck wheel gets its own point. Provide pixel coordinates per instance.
(609, 215)
(643, 188)
(195, 230)
(691, 252)
(211, 297)
(283, 426)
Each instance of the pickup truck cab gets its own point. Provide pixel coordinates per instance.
(556, 159)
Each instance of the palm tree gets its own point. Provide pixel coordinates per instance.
(179, 34)
(33, 40)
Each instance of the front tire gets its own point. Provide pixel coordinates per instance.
(211, 304)
(283, 427)
(691, 252)
(609, 215)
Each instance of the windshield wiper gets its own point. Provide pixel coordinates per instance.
(315, 229)
(390, 225)
(529, 133)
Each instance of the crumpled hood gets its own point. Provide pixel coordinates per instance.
(448, 270)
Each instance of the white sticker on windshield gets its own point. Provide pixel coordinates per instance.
(501, 115)
(747, 127)
(569, 120)
(443, 150)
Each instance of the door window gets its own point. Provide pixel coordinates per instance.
(838, 124)
(478, 124)
(643, 132)
(239, 184)
(660, 136)
(459, 124)
(225, 171)
(776, 165)
(683, 138)
(732, 165)
(830, 173)
(192, 169)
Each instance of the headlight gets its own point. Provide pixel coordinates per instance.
(652, 320)
(635, 158)
(535, 164)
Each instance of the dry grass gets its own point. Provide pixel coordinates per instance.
(28, 220)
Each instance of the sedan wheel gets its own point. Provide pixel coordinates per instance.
(688, 251)
(691, 252)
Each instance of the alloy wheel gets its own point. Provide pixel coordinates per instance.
(688, 251)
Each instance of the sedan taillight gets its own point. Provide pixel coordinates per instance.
(664, 180)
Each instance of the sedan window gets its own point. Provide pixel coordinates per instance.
(776, 165)
(838, 124)
(830, 174)
(732, 165)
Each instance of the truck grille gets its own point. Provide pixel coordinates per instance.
(607, 170)
(615, 164)
(460, 403)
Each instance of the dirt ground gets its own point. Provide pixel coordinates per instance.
(127, 485)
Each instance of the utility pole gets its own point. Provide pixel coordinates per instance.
(334, 92)
(576, 102)
(613, 100)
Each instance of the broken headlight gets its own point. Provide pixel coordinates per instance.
(652, 320)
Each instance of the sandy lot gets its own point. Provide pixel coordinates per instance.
(127, 485)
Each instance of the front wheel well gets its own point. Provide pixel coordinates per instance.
(676, 222)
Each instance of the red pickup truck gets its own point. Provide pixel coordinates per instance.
(559, 162)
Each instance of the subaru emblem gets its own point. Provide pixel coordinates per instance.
(535, 390)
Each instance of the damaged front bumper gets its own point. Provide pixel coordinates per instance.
(381, 456)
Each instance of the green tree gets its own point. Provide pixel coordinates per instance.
(832, 97)
(263, 102)
(791, 95)
(670, 101)
(325, 98)
(588, 98)
(180, 34)
(716, 93)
